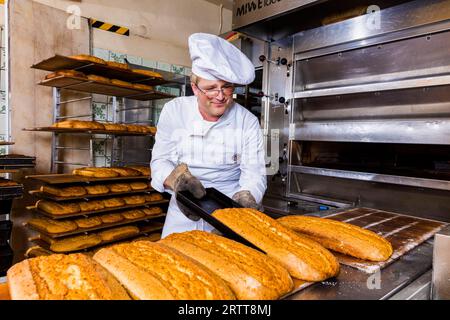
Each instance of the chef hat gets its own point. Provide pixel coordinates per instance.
(214, 58)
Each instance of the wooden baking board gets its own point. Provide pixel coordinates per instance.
(88, 131)
(404, 233)
(71, 178)
(46, 196)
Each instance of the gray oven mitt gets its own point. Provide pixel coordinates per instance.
(246, 199)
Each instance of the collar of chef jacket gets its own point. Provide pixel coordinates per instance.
(198, 127)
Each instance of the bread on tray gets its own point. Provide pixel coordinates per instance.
(111, 217)
(95, 172)
(133, 214)
(118, 233)
(90, 222)
(113, 202)
(65, 192)
(88, 58)
(97, 189)
(119, 187)
(66, 73)
(145, 170)
(148, 73)
(94, 205)
(52, 226)
(56, 208)
(74, 243)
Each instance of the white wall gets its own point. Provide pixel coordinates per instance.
(165, 24)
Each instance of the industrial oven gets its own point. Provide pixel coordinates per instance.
(356, 114)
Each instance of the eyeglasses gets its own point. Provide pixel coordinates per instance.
(212, 93)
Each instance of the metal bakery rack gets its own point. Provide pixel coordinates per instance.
(147, 225)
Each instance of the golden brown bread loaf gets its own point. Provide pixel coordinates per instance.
(153, 211)
(66, 124)
(126, 172)
(111, 217)
(52, 226)
(75, 243)
(7, 183)
(303, 258)
(119, 65)
(97, 189)
(341, 237)
(114, 127)
(142, 87)
(65, 73)
(96, 172)
(153, 197)
(144, 170)
(134, 200)
(133, 214)
(91, 205)
(63, 277)
(88, 58)
(139, 185)
(56, 208)
(96, 78)
(113, 202)
(251, 274)
(118, 233)
(88, 222)
(119, 187)
(148, 73)
(64, 192)
(154, 271)
(122, 83)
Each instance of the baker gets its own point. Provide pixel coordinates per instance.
(208, 140)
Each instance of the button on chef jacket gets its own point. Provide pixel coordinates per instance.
(227, 155)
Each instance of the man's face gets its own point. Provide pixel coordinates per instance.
(213, 104)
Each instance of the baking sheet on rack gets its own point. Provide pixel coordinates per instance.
(43, 195)
(88, 131)
(404, 232)
(71, 178)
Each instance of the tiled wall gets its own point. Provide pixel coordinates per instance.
(3, 106)
(102, 106)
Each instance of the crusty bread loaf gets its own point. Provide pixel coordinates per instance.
(7, 183)
(88, 222)
(154, 271)
(143, 169)
(96, 172)
(133, 128)
(64, 192)
(142, 87)
(153, 197)
(134, 200)
(133, 214)
(56, 208)
(52, 226)
(126, 172)
(139, 185)
(91, 205)
(341, 237)
(118, 233)
(148, 73)
(66, 124)
(65, 73)
(119, 187)
(111, 217)
(114, 127)
(63, 277)
(113, 202)
(88, 58)
(96, 78)
(153, 211)
(122, 83)
(118, 65)
(303, 258)
(74, 243)
(97, 189)
(251, 274)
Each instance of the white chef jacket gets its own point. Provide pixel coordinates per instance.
(227, 155)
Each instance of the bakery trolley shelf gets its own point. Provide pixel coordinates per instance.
(110, 89)
(143, 232)
(59, 62)
(45, 196)
(55, 179)
(90, 213)
(88, 131)
(89, 230)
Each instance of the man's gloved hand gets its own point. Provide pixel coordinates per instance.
(181, 179)
(246, 199)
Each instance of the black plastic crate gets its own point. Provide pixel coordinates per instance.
(6, 259)
(5, 232)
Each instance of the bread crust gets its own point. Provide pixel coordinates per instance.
(118, 233)
(56, 208)
(134, 200)
(89, 58)
(113, 202)
(119, 187)
(148, 73)
(126, 172)
(303, 258)
(97, 189)
(250, 274)
(66, 192)
(341, 237)
(75, 243)
(53, 226)
(111, 217)
(139, 185)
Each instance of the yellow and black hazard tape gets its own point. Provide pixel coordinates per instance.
(110, 27)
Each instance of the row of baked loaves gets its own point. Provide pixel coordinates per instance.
(99, 79)
(99, 189)
(200, 265)
(66, 208)
(94, 125)
(62, 226)
(113, 172)
(114, 64)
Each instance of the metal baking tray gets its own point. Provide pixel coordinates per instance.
(55, 179)
(80, 231)
(90, 213)
(59, 62)
(89, 86)
(14, 159)
(45, 196)
(10, 192)
(88, 131)
(205, 206)
(144, 231)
